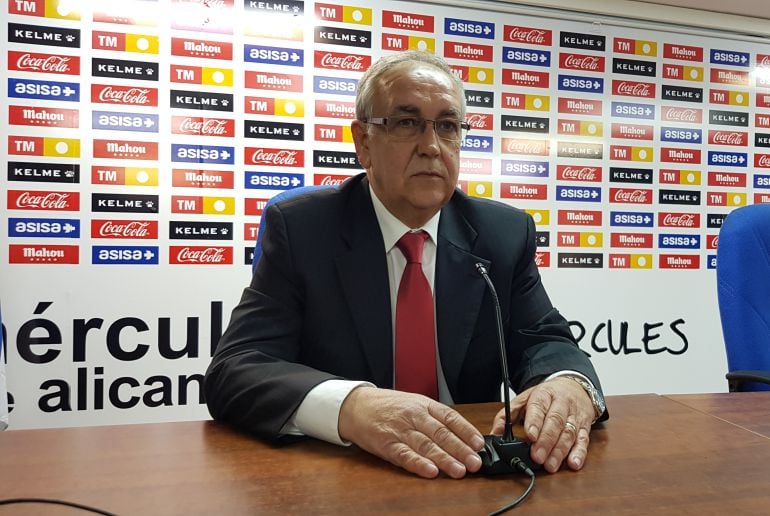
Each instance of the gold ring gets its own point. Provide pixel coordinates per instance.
(571, 427)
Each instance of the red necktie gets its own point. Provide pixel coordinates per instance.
(415, 328)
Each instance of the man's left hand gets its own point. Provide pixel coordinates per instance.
(557, 420)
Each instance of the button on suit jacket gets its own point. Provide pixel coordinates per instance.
(318, 308)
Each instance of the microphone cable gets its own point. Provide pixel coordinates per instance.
(521, 466)
(86, 508)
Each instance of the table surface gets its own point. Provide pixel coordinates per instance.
(656, 455)
(750, 410)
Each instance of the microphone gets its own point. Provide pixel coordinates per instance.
(505, 454)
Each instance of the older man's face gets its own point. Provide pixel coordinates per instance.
(416, 177)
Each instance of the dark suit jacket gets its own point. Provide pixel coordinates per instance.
(318, 307)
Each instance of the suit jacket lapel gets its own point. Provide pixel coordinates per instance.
(459, 290)
(363, 273)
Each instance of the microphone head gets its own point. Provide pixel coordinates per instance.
(480, 267)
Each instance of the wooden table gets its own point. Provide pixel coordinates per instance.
(750, 410)
(656, 455)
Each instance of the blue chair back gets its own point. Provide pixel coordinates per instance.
(743, 287)
(286, 194)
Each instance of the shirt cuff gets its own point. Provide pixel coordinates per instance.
(318, 414)
(567, 372)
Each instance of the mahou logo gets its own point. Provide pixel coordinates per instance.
(338, 61)
(201, 48)
(124, 229)
(678, 261)
(628, 196)
(43, 63)
(633, 89)
(124, 95)
(43, 201)
(475, 166)
(124, 149)
(407, 21)
(275, 157)
(43, 254)
(580, 218)
(675, 155)
(527, 35)
(200, 255)
(677, 114)
(198, 126)
(679, 220)
(43, 116)
(580, 106)
(335, 109)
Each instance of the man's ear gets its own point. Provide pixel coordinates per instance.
(361, 141)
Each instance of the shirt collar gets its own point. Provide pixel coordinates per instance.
(393, 229)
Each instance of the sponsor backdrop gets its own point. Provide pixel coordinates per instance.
(141, 140)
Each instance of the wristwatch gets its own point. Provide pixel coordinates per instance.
(596, 398)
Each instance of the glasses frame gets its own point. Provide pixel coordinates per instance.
(422, 125)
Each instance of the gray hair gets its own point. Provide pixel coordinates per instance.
(368, 86)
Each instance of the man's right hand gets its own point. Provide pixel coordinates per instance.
(411, 431)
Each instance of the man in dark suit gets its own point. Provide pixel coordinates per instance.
(311, 347)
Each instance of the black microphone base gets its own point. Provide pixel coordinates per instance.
(499, 456)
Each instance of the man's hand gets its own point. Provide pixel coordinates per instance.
(411, 431)
(557, 419)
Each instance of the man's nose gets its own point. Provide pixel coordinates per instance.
(429, 134)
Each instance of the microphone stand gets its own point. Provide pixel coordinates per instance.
(505, 454)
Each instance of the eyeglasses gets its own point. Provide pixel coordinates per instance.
(407, 127)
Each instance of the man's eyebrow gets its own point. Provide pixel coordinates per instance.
(408, 108)
(450, 112)
(414, 110)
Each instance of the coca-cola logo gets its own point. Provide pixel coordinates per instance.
(763, 161)
(477, 121)
(682, 115)
(579, 174)
(525, 147)
(343, 62)
(205, 255)
(130, 229)
(278, 157)
(533, 36)
(590, 63)
(331, 181)
(631, 196)
(44, 201)
(49, 64)
(135, 96)
(727, 138)
(206, 127)
(681, 220)
(764, 60)
(211, 4)
(634, 89)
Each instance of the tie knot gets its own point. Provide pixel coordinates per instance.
(411, 245)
